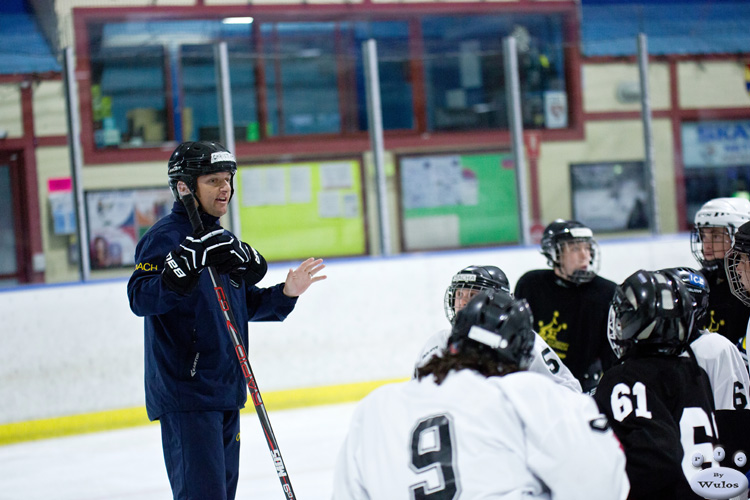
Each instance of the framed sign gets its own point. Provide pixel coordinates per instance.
(458, 200)
(117, 219)
(610, 196)
(292, 211)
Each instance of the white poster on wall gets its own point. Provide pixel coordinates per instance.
(716, 143)
(555, 109)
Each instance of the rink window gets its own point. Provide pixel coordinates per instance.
(154, 82)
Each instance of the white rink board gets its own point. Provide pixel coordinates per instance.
(73, 349)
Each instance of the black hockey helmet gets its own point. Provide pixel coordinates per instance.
(192, 159)
(561, 232)
(736, 263)
(651, 312)
(499, 324)
(476, 278)
(698, 287)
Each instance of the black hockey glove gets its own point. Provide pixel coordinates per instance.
(238, 259)
(252, 271)
(183, 266)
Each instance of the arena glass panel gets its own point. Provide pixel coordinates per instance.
(153, 81)
(464, 69)
(199, 82)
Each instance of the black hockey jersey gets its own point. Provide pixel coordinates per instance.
(661, 409)
(571, 318)
(726, 314)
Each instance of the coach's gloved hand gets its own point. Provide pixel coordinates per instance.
(183, 266)
(238, 259)
(253, 270)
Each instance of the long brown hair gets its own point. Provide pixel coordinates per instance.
(470, 357)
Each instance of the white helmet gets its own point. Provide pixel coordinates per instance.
(728, 213)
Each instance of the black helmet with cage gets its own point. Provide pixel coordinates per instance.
(650, 313)
(562, 232)
(496, 324)
(737, 264)
(474, 279)
(697, 285)
(724, 213)
(192, 159)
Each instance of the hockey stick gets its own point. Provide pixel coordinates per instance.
(195, 220)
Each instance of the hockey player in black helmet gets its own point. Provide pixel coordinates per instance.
(464, 286)
(716, 223)
(571, 250)
(714, 353)
(658, 402)
(570, 301)
(468, 282)
(194, 385)
(485, 422)
(737, 268)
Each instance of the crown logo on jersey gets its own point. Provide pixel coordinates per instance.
(713, 326)
(549, 333)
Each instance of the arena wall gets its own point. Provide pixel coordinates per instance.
(77, 349)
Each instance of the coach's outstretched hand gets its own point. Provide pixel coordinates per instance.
(300, 279)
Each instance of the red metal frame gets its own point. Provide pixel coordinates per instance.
(19, 153)
(675, 114)
(334, 143)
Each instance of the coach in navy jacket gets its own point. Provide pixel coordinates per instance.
(195, 386)
(190, 360)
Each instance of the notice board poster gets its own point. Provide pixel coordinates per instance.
(458, 200)
(610, 196)
(291, 211)
(117, 219)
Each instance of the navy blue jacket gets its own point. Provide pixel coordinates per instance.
(190, 361)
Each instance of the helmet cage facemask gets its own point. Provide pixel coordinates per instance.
(470, 279)
(732, 262)
(696, 246)
(614, 332)
(578, 276)
(449, 302)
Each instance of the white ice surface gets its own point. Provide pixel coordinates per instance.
(128, 463)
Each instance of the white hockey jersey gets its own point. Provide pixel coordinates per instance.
(725, 368)
(472, 437)
(544, 361)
